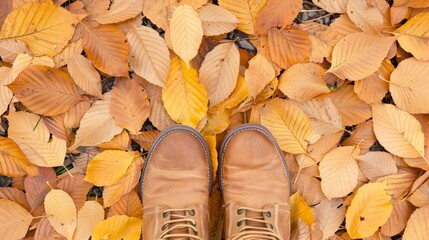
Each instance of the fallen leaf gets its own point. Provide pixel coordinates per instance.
(329, 215)
(76, 187)
(413, 36)
(366, 16)
(120, 10)
(88, 217)
(332, 6)
(129, 204)
(258, 75)
(85, 75)
(375, 165)
(418, 224)
(36, 187)
(216, 20)
(118, 227)
(10, 48)
(277, 13)
(398, 219)
(14, 220)
(61, 212)
(13, 162)
(299, 209)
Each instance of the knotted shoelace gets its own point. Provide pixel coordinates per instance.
(255, 227)
(179, 226)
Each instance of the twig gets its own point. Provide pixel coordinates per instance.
(312, 10)
(315, 19)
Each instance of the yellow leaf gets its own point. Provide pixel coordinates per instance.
(339, 171)
(13, 162)
(85, 75)
(118, 227)
(121, 10)
(118, 142)
(108, 167)
(246, 11)
(33, 137)
(38, 25)
(186, 32)
(211, 142)
(299, 209)
(185, 99)
(259, 74)
(329, 215)
(418, 225)
(303, 81)
(288, 47)
(216, 20)
(366, 16)
(289, 125)
(370, 209)
(278, 13)
(97, 124)
(14, 220)
(398, 131)
(61, 212)
(409, 87)
(107, 48)
(149, 56)
(36, 86)
(413, 36)
(87, 219)
(358, 55)
(129, 204)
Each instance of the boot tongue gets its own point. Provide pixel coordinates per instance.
(255, 215)
(182, 230)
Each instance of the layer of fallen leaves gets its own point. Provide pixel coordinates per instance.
(348, 104)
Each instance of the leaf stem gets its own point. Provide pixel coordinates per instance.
(315, 19)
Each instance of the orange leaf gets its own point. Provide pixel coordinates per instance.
(129, 204)
(13, 162)
(278, 13)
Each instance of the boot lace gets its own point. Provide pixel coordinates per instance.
(256, 227)
(179, 225)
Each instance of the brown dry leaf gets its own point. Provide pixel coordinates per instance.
(289, 46)
(37, 26)
(418, 4)
(363, 135)
(129, 204)
(366, 15)
(399, 185)
(398, 131)
(97, 124)
(325, 144)
(343, 26)
(277, 13)
(14, 220)
(33, 137)
(149, 56)
(332, 6)
(85, 75)
(184, 97)
(36, 86)
(72, 49)
(219, 72)
(216, 20)
(46, 231)
(120, 10)
(61, 212)
(308, 186)
(107, 48)
(36, 187)
(13, 162)
(87, 219)
(418, 225)
(420, 197)
(413, 36)
(258, 75)
(118, 227)
(301, 231)
(303, 81)
(398, 219)
(118, 142)
(246, 11)
(74, 115)
(7, 7)
(186, 32)
(158, 11)
(375, 165)
(353, 110)
(329, 215)
(76, 187)
(358, 55)
(289, 125)
(409, 87)
(16, 195)
(146, 138)
(339, 171)
(81, 162)
(129, 105)
(11, 48)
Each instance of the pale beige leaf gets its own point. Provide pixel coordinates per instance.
(76, 187)
(10, 48)
(377, 164)
(61, 212)
(149, 56)
(420, 162)
(73, 49)
(324, 116)
(308, 186)
(38, 25)
(363, 135)
(184, 97)
(158, 11)
(289, 46)
(418, 225)
(259, 74)
(332, 6)
(420, 197)
(13, 162)
(46, 231)
(353, 110)
(289, 125)
(5, 93)
(37, 85)
(146, 138)
(186, 32)
(303, 81)
(414, 37)
(87, 219)
(33, 137)
(81, 162)
(216, 20)
(343, 26)
(85, 75)
(329, 215)
(339, 171)
(398, 219)
(130, 105)
(246, 12)
(301, 231)
(409, 87)
(399, 185)
(119, 142)
(118, 227)
(365, 15)
(358, 55)
(129, 204)
(97, 124)
(121, 10)
(219, 72)
(325, 144)
(398, 131)
(196, 4)
(14, 220)
(278, 13)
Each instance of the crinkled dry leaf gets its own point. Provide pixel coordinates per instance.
(398, 219)
(16, 195)
(61, 212)
(76, 187)
(129, 204)
(14, 220)
(118, 142)
(363, 135)
(308, 187)
(146, 138)
(46, 231)
(87, 219)
(10, 48)
(36, 187)
(278, 13)
(118, 227)
(216, 20)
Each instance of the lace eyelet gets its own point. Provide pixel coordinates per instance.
(191, 212)
(239, 223)
(194, 224)
(240, 211)
(195, 232)
(268, 214)
(163, 227)
(165, 214)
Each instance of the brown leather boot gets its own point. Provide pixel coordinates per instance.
(255, 185)
(175, 186)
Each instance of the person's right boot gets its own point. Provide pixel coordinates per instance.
(255, 185)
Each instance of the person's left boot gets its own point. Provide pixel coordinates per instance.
(175, 186)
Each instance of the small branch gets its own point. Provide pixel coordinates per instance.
(315, 19)
(312, 10)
